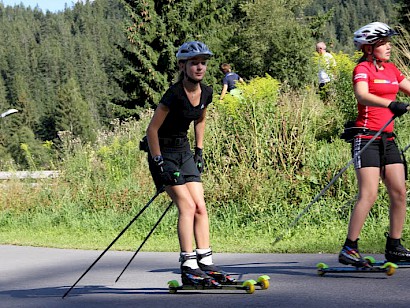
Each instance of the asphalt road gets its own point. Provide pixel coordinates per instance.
(39, 277)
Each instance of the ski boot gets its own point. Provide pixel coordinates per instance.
(350, 255)
(212, 270)
(195, 276)
(395, 252)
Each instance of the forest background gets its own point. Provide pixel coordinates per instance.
(86, 80)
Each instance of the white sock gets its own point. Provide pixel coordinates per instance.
(205, 260)
(192, 262)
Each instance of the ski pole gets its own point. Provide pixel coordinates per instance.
(118, 236)
(146, 238)
(405, 148)
(332, 181)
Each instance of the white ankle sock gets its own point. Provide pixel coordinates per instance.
(191, 263)
(205, 260)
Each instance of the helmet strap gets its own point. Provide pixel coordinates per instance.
(374, 59)
(375, 63)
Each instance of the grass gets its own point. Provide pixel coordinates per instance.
(98, 230)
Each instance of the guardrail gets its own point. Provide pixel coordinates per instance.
(20, 175)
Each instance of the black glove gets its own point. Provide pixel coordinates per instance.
(144, 144)
(398, 108)
(167, 177)
(199, 160)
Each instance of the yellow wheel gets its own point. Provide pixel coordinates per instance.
(264, 283)
(390, 268)
(390, 271)
(250, 286)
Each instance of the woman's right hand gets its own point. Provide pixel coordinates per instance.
(167, 177)
(398, 108)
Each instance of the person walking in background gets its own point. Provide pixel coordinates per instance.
(175, 167)
(326, 63)
(230, 79)
(376, 83)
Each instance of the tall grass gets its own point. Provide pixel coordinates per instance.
(268, 153)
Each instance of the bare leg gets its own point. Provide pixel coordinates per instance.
(395, 184)
(186, 207)
(201, 221)
(368, 181)
(193, 216)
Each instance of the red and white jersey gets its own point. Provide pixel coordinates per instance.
(383, 83)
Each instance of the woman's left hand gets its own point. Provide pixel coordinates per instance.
(199, 160)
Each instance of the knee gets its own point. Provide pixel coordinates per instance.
(400, 195)
(187, 208)
(368, 198)
(201, 208)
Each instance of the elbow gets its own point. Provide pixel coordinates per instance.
(150, 130)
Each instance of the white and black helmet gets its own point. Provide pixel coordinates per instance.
(193, 49)
(371, 33)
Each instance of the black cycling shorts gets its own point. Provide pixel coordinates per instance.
(182, 162)
(376, 154)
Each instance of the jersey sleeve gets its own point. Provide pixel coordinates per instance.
(360, 73)
(168, 97)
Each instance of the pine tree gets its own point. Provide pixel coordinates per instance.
(73, 114)
(156, 30)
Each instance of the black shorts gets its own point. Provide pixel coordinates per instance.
(181, 161)
(376, 154)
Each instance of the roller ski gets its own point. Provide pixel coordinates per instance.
(356, 264)
(388, 268)
(224, 278)
(248, 286)
(196, 279)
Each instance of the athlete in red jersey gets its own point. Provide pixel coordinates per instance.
(376, 84)
(382, 83)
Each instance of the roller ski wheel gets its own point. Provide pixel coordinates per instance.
(248, 286)
(388, 268)
(173, 286)
(263, 282)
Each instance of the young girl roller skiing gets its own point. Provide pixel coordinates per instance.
(376, 83)
(175, 167)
